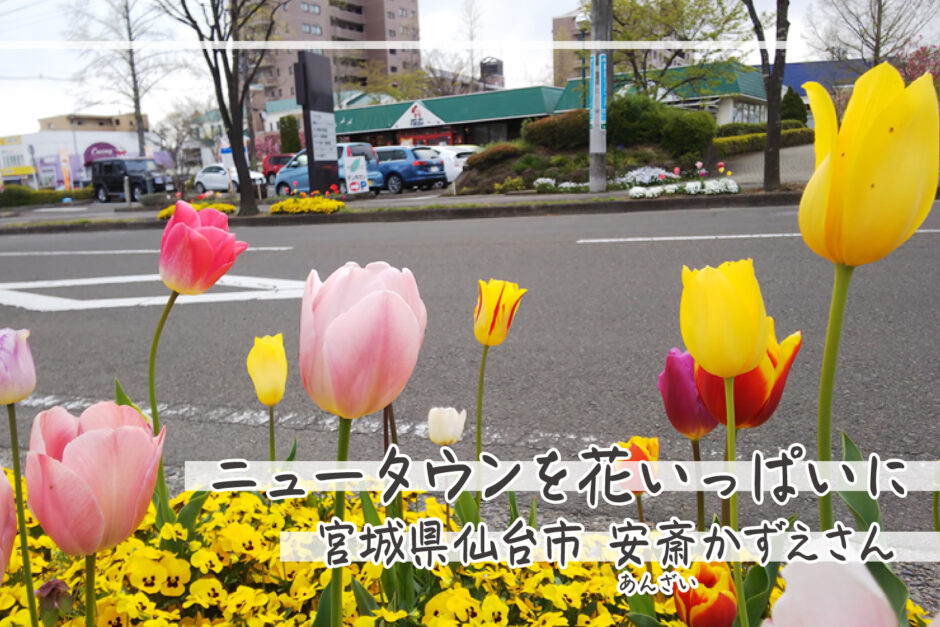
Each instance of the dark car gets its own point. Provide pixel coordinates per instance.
(272, 164)
(411, 166)
(145, 177)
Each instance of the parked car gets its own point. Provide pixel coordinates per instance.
(143, 173)
(272, 164)
(215, 177)
(455, 157)
(294, 175)
(411, 166)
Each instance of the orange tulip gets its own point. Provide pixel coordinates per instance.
(641, 449)
(757, 392)
(714, 602)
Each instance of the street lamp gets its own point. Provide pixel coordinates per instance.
(582, 22)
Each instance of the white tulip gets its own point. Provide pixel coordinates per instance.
(445, 425)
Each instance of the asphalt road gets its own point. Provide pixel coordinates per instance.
(579, 366)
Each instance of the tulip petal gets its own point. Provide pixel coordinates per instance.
(826, 126)
(788, 350)
(370, 352)
(110, 415)
(831, 594)
(891, 195)
(184, 259)
(815, 207)
(63, 504)
(119, 466)
(51, 431)
(7, 523)
(213, 217)
(874, 91)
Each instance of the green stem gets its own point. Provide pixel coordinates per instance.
(840, 292)
(339, 511)
(393, 428)
(164, 494)
(21, 517)
(639, 509)
(733, 502)
(90, 604)
(480, 412)
(271, 448)
(699, 494)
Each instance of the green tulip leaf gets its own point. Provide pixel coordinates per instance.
(323, 609)
(532, 512)
(293, 452)
(364, 601)
(466, 509)
(642, 620)
(643, 605)
(121, 398)
(371, 516)
(866, 512)
(190, 512)
(513, 507)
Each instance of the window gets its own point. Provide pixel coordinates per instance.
(394, 69)
(403, 12)
(280, 92)
(390, 15)
(290, 69)
(414, 13)
(316, 30)
(403, 29)
(392, 33)
(315, 8)
(278, 71)
(392, 51)
(291, 91)
(304, 6)
(305, 28)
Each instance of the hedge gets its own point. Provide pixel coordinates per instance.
(493, 154)
(753, 142)
(19, 195)
(688, 132)
(747, 128)
(567, 131)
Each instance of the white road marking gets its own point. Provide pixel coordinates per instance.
(61, 210)
(695, 238)
(256, 288)
(129, 251)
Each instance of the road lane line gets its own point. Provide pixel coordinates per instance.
(128, 251)
(696, 238)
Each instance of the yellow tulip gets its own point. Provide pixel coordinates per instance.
(267, 366)
(876, 176)
(722, 317)
(496, 307)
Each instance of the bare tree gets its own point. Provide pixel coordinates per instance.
(447, 73)
(174, 131)
(773, 84)
(119, 76)
(871, 30)
(471, 17)
(232, 70)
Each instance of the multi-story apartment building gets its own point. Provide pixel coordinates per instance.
(340, 20)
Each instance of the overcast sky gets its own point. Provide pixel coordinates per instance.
(37, 83)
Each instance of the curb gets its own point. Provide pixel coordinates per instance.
(625, 205)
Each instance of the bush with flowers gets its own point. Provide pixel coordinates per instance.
(110, 547)
(307, 204)
(225, 208)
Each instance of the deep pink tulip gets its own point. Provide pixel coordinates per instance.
(684, 405)
(90, 479)
(360, 333)
(197, 249)
(17, 372)
(7, 523)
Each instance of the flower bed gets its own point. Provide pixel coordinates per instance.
(225, 208)
(309, 204)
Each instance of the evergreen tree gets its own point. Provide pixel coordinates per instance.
(792, 107)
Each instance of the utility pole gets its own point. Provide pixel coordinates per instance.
(601, 75)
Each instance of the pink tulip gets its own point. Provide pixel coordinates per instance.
(360, 333)
(7, 524)
(684, 406)
(90, 479)
(197, 249)
(698, 165)
(831, 594)
(676, 170)
(17, 371)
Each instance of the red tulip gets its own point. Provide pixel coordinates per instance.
(90, 479)
(714, 602)
(662, 177)
(676, 170)
(684, 406)
(756, 393)
(360, 333)
(197, 249)
(7, 524)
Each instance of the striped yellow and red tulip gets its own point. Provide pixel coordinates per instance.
(714, 602)
(497, 304)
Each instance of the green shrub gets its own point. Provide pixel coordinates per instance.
(747, 128)
(567, 131)
(156, 200)
(792, 107)
(492, 155)
(511, 184)
(688, 131)
(534, 161)
(559, 161)
(290, 133)
(634, 119)
(753, 142)
(20, 195)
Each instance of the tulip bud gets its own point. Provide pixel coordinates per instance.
(714, 602)
(267, 367)
(445, 425)
(17, 372)
(497, 303)
(684, 406)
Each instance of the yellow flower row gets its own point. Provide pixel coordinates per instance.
(310, 204)
(225, 208)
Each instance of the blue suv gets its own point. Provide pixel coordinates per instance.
(295, 171)
(411, 166)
